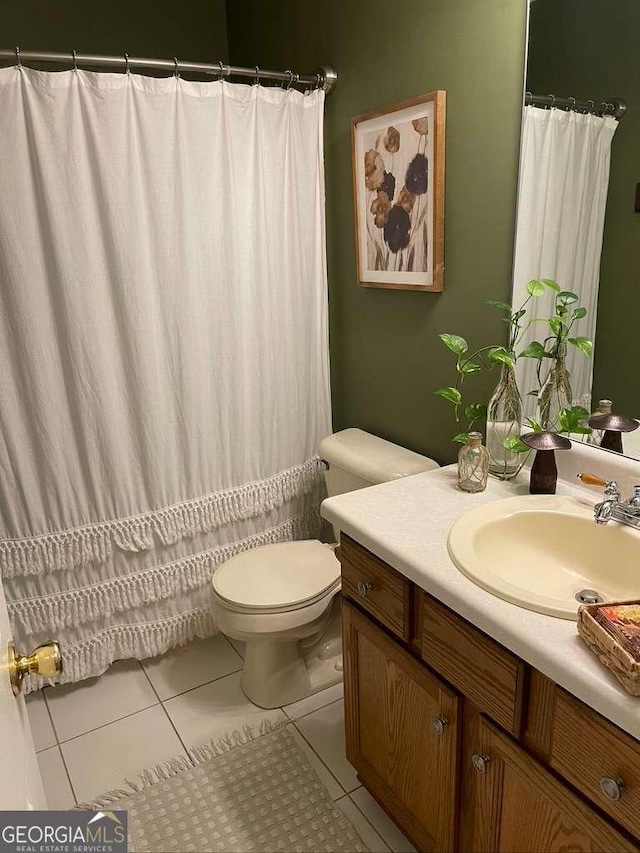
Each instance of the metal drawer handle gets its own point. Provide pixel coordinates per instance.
(364, 588)
(438, 725)
(480, 762)
(611, 788)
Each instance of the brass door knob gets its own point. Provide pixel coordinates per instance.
(45, 661)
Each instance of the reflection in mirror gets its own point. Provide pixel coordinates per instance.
(577, 217)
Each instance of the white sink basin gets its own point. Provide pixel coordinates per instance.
(540, 551)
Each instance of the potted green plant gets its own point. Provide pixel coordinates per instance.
(554, 390)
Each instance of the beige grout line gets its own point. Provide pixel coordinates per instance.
(166, 713)
(110, 723)
(374, 828)
(308, 714)
(323, 762)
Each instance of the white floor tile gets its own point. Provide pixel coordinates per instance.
(210, 711)
(40, 722)
(312, 703)
(328, 780)
(324, 729)
(79, 708)
(367, 833)
(192, 665)
(381, 822)
(102, 759)
(238, 645)
(56, 785)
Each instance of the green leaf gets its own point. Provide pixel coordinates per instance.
(503, 306)
(450, 394)
(475, 411)
(557, 326)
(499, 355)
(532, 393)
(561, 310)
(534, 350)
(578, 313)
(518, 314)
(460, 438)
(550, 283)
(468, 367)
(580, 430)
(534, 425)
(583, 344)
(512, 442)
(569, 420)
(455, 343)
(581, 413)
(535, 287)
(565, 298)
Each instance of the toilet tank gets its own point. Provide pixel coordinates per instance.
(357, 459)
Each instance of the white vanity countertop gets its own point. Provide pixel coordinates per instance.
(406, 523)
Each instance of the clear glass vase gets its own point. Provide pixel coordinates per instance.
(504, 419)
(555, 393)
(473, 464)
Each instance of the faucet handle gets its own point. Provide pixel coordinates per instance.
(610, 486)
(591, 479)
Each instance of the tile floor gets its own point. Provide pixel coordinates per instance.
(91, 736)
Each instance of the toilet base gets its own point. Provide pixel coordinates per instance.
(278, 673)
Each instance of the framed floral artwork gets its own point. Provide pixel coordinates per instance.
(398, 187)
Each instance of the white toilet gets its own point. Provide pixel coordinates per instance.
(281, 599)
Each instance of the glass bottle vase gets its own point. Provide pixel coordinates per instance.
(473, 464)
(504, 419)
(555, 393)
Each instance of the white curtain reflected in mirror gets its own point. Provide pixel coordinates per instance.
(562, 195)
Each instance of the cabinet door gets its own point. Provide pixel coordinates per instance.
(402, 732)
(521, 808)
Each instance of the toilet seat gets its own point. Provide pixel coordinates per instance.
(278, 578)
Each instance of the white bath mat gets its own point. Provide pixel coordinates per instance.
(244, 794)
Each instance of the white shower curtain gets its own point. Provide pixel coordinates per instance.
(562, 195)
(163, 343)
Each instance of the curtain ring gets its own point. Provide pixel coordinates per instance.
(75, 60)
(222, 72)
(286, 71)
(176, 73)
(257, 78)
(18, 60)
(590, 105)
(553, 101)
(573, 103)
(318, 80)
(291, 75)
(126, 64)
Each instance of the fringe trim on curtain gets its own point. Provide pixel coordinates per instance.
(92, 657)
(169, 769)
(80, 546)
(75, 607)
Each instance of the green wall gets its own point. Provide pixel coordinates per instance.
(154, 28)
(589, 49)
(385, 353)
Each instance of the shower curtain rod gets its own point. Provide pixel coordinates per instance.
(615, 107)
(323, 78)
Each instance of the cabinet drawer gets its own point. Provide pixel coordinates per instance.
(586, 748)
(489, 675)
(377, 588)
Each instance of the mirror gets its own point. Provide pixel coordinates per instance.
(588, 50)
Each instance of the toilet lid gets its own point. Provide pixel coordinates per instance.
(280, 575)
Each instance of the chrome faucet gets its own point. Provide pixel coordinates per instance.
(613, 508)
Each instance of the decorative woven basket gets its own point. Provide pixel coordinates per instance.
(609, 644)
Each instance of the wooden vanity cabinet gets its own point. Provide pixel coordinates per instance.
(402, 732)
(462, 743)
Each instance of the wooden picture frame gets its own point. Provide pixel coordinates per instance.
(398, 194)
